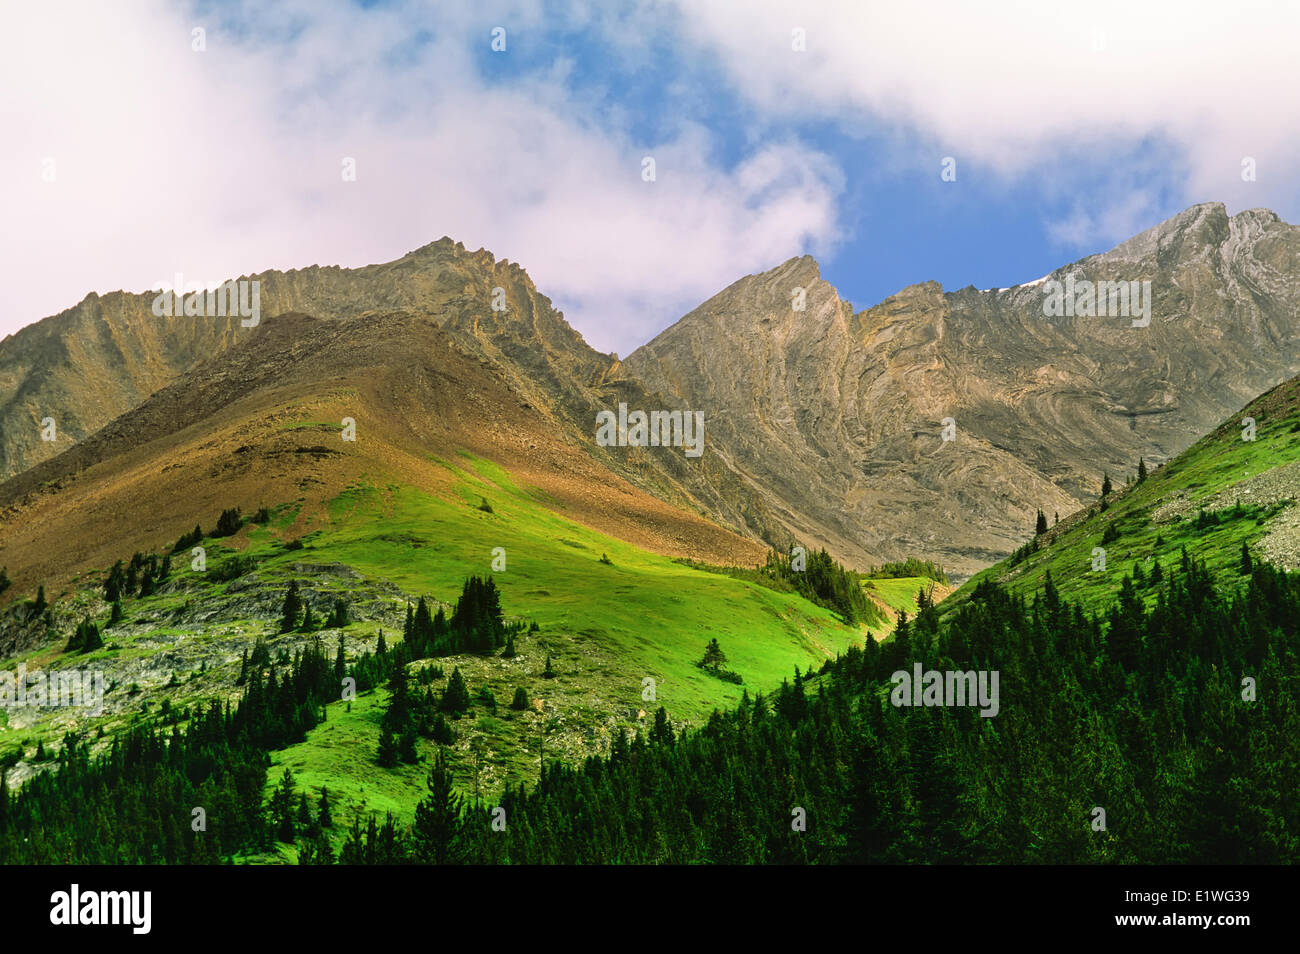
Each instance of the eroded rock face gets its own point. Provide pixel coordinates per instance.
(90, 364)
(835, 419)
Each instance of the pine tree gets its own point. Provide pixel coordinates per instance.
(442, 732)
(662, 733)
(1245, 558)
(229, 522)
(282, 808)
(455, 698)
(388, 754)
(1105, 485)
(339, 617)
(317, 851)
(93, 639)
(714, 657)
(548, 672)
(1041, 527)
(520, 701)
(1142, 470)
(406, 746)
(292, 606)
(340, 661)
(437, 833)
(85, 638)
(324, 818)
(115, 614)
(40, 605)
(308, 619)
(113, 585)
(187, 540)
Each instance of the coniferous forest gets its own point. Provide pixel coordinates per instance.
(1178, 722)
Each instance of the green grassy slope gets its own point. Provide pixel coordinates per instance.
(900, 592)
(608, 627)
(1247, 489)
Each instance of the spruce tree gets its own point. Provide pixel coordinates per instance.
(304, 820)
(229, 522)
(455, 698)
(406, 746)
(1105, 485)
(442, 732)
(282, 808)
(324, 818)
(388, 755)
(1245, 558)
(113, 585)
(85, 638)
(520, 701)
(662, 733)
(1041, 527)
(93, 639)
(339, 618)
(292, 606)
(714, 657)
(437, 833)
(1142, 470)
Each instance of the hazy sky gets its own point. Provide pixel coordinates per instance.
(129, 155)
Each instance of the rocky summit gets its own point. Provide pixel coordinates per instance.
(938, 423)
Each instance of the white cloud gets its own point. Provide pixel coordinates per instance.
(1020, 86)
(228, 161)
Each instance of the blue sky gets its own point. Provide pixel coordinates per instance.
(1073, 126)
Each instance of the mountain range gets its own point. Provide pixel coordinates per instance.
(824, 426)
